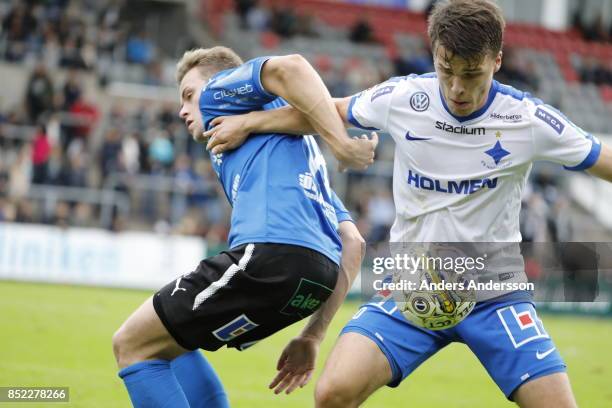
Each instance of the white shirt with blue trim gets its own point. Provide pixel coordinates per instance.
(460, 179)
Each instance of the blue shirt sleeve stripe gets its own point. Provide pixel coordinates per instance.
(591, 158)
(257, 76)
(352, 119)
(342, 214)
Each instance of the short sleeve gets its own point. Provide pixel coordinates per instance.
(342, 214)
(236, 91)
(370, 109)
(559, 140)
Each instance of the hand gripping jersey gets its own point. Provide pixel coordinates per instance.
(460, 179)
(277, 184)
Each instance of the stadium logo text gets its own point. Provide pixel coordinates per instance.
(419, 101)
(451, 186)
(228, 93)
(462, 130)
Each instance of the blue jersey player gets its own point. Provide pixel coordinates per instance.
(294, 250)
(464, 148)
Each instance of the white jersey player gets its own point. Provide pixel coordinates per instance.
(460, 179)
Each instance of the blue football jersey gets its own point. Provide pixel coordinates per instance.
(277, 184)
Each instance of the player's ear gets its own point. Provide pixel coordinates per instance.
(498, 60)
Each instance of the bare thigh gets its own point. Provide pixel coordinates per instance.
(550, 391)
(143, 337)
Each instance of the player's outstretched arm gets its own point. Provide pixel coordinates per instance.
(294, 79)
(297, 361)
(603, 166)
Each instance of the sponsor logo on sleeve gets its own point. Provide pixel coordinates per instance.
(553, 121)
(381, 91)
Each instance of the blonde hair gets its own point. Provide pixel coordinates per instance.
(208, 60)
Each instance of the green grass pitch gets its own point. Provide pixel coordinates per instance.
(53, 335)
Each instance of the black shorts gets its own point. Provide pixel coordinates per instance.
(245, 294)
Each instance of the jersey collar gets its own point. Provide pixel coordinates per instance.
(479, 112)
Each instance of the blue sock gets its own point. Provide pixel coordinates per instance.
(199, 381)
(152, 384)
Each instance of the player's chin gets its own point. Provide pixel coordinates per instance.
(463, 111)
(199, 137)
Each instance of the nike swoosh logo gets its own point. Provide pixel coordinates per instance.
(540, 356)
(408, 137)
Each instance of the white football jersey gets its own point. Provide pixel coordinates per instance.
(460, 179)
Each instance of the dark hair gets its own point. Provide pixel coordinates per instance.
(467, 28)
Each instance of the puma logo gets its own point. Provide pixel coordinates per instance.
(178, 281)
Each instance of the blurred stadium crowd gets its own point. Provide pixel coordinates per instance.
(68, 159)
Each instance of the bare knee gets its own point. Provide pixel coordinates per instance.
(123, 349)
(334, 393)
(143, 337)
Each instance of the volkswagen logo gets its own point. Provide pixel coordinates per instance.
(419, 101)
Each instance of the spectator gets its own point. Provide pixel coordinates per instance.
(71, 56)
(361, 33)
(418, 63)
(41, 151)
(593, 71)
(381, 213)
(161, 151)
(61, 217)
(82, 215)
(243, 8)
(109, 153)
(305, 26)
(258, 19)
(71, 90)
(513, 72)
(20, 173)
(26, 212)
(130, 154)
(52, 50)
(75, 172)
(17, 27)
(140, 49)
(83, 117)
(283, 21)
(39, 94)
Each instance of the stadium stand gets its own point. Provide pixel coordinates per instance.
(81, 150)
